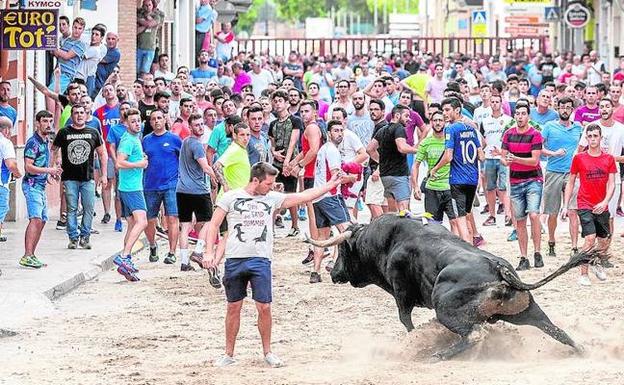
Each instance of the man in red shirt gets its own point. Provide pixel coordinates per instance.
(181, 125)
(596, 171)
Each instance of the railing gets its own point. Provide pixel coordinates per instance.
(362, 45)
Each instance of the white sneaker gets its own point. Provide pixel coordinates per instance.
(584, 280)
(599, 272)
(224, 360)
(273, 360)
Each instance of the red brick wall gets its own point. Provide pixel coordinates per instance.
(126, 20)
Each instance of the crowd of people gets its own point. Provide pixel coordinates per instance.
(221, 156)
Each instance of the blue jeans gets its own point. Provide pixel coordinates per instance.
(86, 191)
(4, 203)
(525, 197)
(144, 59)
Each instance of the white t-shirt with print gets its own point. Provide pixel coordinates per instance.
(349, 146)
(493, 129)
(327, 159)
(250, 222)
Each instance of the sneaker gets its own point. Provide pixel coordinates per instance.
(198, 258)
(94, 231)
(315, 277)
(160, 230)
(619, 212)
(485, 210)
(309, 258)
(478, 241)
(330, 265)
(30, 261)
(551, 249)
(293, 232)
(129, 275)
(523, 265)
(214, 278)
(170, 259)
(359, 205)
(513, 236)
(476, 202)
(538, 261)
(3, 238)
(126, 263)
(193, 236)
(61, 224)
(491, 221)
(84, 243)
(279, 223)
(574, 251)
(118, 226)
(287, 216)
(607, 264)
(273, 360)
(186, 267)
(224, 360)
(73, 244)
(153, 257)
(105, 219)
(303, 215)
(501, 209)
(584, 280)
(598, 271)
(508, 222)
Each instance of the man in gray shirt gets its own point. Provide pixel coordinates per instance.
(193, 189)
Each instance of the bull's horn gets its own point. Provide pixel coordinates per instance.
(338, 239)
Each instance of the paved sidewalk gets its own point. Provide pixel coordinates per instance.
(26, 293)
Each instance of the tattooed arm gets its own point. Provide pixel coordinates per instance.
(218, 170)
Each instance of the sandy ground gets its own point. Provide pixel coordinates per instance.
(168, 328)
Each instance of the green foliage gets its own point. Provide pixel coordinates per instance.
(247, 20)
(402, 6)
(298, 10)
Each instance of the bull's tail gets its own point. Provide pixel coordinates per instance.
(576, 260)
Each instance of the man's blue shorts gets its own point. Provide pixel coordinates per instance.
(241, 271)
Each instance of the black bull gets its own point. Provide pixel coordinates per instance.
(426, 266)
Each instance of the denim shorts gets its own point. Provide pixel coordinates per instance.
(36, 201)
(131, 201)
(496, 175)
(4, 203)
(525, 198)
(397, 187)
(330, 211)
(153, 200)
(239, 272)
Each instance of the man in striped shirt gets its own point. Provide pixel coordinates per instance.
(521, 150)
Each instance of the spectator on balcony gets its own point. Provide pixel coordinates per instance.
(149, 20)
(91, 58)
(207, 68)
(69, 55)
(205, 16)
(109, 62)
(225, 39)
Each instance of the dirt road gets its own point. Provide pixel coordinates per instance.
(168, 328)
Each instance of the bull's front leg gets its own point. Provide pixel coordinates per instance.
(405, 309)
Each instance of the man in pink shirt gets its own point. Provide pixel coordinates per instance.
(589, 112)
(241, 78)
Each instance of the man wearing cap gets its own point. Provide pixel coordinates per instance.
(207, 68)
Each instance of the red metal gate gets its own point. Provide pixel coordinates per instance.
(362, 45)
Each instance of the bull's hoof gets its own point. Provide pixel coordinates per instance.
(580, 350)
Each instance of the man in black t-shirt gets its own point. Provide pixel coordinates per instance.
(147, 105)
(389, 147)
(284, 134)
(78, 144)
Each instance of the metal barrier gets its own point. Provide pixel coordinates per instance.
(363, 45)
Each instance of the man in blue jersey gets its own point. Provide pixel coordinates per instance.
(159, 185)
(463, 151)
